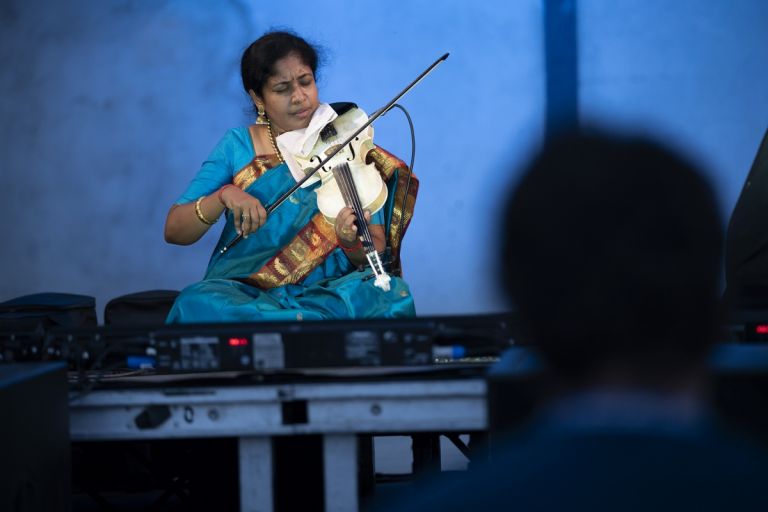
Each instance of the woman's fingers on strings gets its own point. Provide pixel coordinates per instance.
(351, 228)
(345, 228)
(349, 221)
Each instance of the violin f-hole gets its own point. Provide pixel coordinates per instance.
(318, 159)
(351, 150)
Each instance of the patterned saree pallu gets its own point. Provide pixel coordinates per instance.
(292, 267)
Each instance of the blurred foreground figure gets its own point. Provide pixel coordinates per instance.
(611, 252)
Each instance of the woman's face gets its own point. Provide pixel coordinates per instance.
(290, 95)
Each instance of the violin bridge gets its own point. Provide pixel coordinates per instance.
(331, 149)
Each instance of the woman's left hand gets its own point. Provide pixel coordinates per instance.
(346, 229)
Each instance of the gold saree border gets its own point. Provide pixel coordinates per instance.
(387, 163)
(311, 245)
(305, 252)
(256, 168)
(315, 241)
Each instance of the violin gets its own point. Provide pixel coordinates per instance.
(347, 180)
(368, 184)
(343, 181)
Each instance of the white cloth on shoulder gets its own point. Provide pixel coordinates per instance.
(302, 142)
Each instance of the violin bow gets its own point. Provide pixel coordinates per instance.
(378, 113)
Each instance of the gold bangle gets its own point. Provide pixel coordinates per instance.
(200, 215)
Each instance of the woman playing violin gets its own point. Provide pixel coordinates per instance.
(293, 263)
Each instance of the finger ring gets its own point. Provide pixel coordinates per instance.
(245, 215)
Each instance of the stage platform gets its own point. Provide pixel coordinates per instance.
(339, 405)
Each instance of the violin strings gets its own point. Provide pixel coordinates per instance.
(351, 198)
(346, 185)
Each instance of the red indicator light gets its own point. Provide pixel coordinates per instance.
(238, 342)
(761, 329)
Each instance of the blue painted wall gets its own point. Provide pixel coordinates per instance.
(691, 72)
(109, 107)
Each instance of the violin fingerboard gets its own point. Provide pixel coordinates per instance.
(343, 177)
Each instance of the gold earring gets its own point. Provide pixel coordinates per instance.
(261, 117)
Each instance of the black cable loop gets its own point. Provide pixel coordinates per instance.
(410, 171)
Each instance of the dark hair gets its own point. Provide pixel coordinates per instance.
(258, 61)
(611, 253)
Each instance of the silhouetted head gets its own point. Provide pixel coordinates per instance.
(611, 254)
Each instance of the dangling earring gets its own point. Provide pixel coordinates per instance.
(261, 117)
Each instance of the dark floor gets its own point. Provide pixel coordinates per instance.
(147, 476)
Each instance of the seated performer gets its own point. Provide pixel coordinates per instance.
(295, 263)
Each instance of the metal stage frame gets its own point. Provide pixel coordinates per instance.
(338, 410)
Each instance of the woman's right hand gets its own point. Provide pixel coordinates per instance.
(248, 213)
